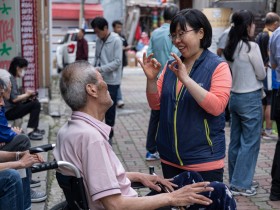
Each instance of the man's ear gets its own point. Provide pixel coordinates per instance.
(92, 90)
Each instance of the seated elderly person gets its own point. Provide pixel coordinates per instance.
(83, 141)
(12, 194)
(12, 139)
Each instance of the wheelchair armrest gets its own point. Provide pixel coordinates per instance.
(44, 166)
(42, 148)
(137, 185)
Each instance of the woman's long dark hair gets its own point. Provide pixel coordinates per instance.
(17, 62)
(239, 31)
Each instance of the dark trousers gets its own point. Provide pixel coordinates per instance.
(221, 196)
(20, 142)
(21, 109)
(111, 113)
(275, 171)
(152, 131)
(211, 176)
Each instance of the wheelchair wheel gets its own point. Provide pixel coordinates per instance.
(60, 206)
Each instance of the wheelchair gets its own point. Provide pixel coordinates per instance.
(73, 186)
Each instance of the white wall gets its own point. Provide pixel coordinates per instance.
(113, 10)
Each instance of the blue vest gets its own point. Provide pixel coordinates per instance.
(187, 134)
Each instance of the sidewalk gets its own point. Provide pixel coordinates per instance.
(130, 139)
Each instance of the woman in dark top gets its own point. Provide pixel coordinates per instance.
(20, 105)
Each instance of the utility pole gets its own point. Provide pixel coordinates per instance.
(82, 14)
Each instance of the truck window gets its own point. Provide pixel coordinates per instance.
(90, 37)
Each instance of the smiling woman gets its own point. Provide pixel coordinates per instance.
(191, 94)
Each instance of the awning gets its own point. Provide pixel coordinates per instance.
(72, 11)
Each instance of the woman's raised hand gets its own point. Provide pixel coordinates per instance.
(150, 66)
(179, 68)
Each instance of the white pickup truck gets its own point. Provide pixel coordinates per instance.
(66, 50)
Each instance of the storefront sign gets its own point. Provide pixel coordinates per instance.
(29, 42)
(7, 33)
(219, 20)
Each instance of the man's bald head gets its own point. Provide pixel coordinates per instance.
(73, 83)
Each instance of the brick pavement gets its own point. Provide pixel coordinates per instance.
(130, 138)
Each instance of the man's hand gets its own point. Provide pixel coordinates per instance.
(17, 130)
(27, 159)
(188, 195)
(152, 182)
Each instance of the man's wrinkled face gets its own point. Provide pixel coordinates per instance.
(2, 97)
(103, 93)
(7, 92)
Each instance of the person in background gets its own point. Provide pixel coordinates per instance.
(143, 41)
(191, 94)
(12, 193)
(272, 21)
(108, 61)
(82, 46)
(221, 44)
(12, 142)
(160, 46)
(245, 104)
(107, 184)
(117, 27)
(19, 104)
(274, 58)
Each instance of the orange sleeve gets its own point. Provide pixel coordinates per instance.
(217, 98)
(154, 98)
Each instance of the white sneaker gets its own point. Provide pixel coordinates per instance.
(37, 197)
(120, 103)
(269, 136)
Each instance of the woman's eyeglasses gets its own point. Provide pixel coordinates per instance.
(180, 36)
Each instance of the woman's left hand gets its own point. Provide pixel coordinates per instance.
(151, 181)
(179, 68)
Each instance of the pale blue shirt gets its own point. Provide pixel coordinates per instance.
(161, 45)
(274, 49)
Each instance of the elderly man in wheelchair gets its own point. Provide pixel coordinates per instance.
(83, 141)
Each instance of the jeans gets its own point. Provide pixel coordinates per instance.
(246, 125)
(119, 95)
(152, 131)
(11, 191)
(111, 113)
(26, 189)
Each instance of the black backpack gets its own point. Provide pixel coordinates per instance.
(262, 40)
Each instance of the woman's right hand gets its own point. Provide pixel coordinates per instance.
(150, 66)
(189, 194)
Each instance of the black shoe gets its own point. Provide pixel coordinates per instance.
(37, 130)
(274, 197)
(34, 183)
(35, 136)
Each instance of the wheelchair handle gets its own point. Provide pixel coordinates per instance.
(42, 148)
(44, 166)
(54, 165)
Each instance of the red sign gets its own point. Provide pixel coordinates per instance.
(29, 42)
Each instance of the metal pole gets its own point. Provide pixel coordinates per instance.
(82, 12)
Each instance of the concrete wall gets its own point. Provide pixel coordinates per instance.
(113, 10)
